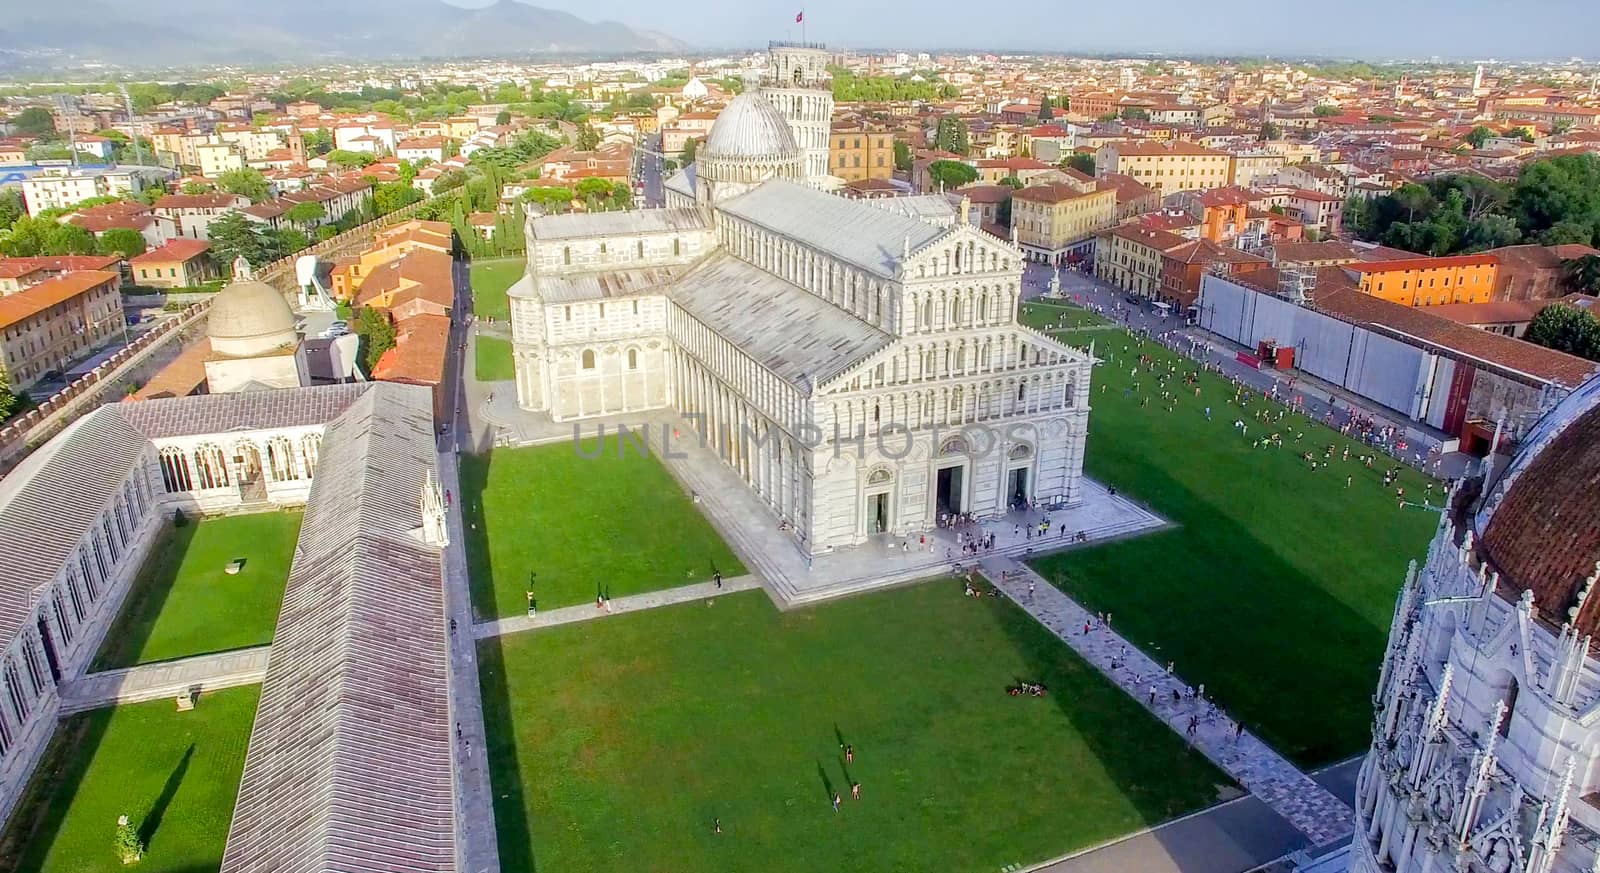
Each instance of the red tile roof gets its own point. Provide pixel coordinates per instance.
(18, 307)
(174, 252)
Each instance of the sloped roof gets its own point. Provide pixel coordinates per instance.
(790, 331)
(579, 225)
(850, 230)
(349, 767)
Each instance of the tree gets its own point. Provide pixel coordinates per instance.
(317, 142)
(449, 180)
(1566, 329)
(549, 198)
(1491, 232)
(508, 92)
(11, 207)
(951, 174)
(1135, 113)
(1047, 111)
(690, 147)
(288, 240)
(1583, 274)
(902, 156)
(1562, 191)
(503, 117)
(377, 336)
(197, 188)
(390, 196)
(1083, 162)
(1270, 131)
(952, 135)
(306, 213)
(591, 191)
(35, 121)
(588, 138)
(246, 182)
(234, 236)
(1323, 110)
(1477, 136)
(121, 241)
(348, 160)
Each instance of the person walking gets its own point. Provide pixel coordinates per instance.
(717, 577)
(849, 754)
(855, 791)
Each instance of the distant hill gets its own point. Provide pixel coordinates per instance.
(177, 32)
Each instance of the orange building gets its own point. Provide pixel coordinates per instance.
(1225, 213)
(387, 245)
(1428, 281)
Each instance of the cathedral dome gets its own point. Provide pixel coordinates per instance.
(751, 128)
(249, 317)
(1539, 527)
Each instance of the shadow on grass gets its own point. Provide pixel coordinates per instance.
(43, 807)
(1273, 648)
(158, 809)
(146, 597)
(506, 779)
(473, 473)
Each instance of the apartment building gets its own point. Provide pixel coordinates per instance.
(193, 213)
(48, 326)
(1428, 281)
(1131, 257)
(216, 158)
(858, 151)
(1169, 167)
(1057, 223)
(67, 187)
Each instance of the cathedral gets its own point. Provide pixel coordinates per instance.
(858, 364)
(1485, 754)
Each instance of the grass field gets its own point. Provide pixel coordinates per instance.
(490, 280)
(617, 524)
(493, 359)
(174, 774)
(183, 604)
(614, 744)
(1046, 316)
(1277, 589)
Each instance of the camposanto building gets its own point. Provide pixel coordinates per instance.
(862, 369)
(1486, 736)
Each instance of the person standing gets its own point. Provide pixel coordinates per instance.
(836, 801)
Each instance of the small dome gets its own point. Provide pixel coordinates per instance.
(1540, 525)
(751, 128)
(249, 318)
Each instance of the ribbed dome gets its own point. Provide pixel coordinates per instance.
(1540, 526)
(750, 127)
(249, 318)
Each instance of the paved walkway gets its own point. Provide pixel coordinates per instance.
(477, 846)
(631, 603)
(1313, 811)
(167, 679)
(1238, 835)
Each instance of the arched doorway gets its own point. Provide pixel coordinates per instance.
(247, 467)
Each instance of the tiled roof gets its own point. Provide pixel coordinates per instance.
(578, 225)
(175, 251)
(790, 331)
(249, 410)
(30, 301)
(851, 230)
(349, 765)
(1544, 534)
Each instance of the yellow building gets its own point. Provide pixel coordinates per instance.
(1429, 281)
(1166, 167)
(856, 152)
(1130, 257)
(1057, 222)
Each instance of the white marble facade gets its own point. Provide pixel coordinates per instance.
(1486, 735)
(864, 371)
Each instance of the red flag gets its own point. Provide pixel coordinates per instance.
(799, 17)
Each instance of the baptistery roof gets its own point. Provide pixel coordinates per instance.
(248, 317)
(1539, 526)
(751, 127)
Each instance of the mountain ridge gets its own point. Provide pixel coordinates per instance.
(193, 31)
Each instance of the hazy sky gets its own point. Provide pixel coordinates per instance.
(1357, 28)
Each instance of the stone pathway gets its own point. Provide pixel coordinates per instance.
(477, 846)
(1316, 813)
(167, 679)
(631, 603)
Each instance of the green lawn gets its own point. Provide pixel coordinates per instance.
(584, 525)
(174, 774)
(614, 744)
(493, 357)
(1049, 316)
(183, 603)
(490, 281)
(1277, 589)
